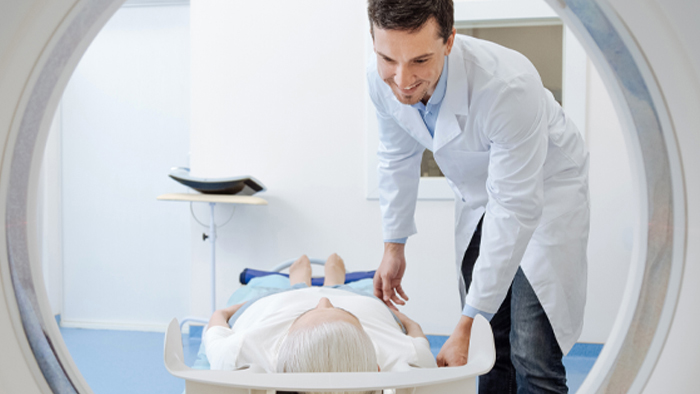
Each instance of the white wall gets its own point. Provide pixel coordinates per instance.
(125, 123)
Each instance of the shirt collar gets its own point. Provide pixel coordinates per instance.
(439, 92)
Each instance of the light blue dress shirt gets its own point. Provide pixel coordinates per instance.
(429, 112)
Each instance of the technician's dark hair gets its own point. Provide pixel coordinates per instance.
(410, 15)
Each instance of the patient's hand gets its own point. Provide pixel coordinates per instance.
(220, 317)
(413, 329)
(455, 352)
(231, 310)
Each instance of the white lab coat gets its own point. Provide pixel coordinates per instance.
(506, 149)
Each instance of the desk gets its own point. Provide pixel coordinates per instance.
(212, 199)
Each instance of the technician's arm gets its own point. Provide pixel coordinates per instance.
(517, 127)
(399, 175)
(455, 351)
(220, 317)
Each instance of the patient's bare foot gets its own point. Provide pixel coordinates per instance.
(334, 271)
(300, 271)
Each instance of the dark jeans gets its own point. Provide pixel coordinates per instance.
(528, 357)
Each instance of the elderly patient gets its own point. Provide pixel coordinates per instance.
(334, 328)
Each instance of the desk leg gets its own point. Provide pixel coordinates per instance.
(212, 239)
(212, 255)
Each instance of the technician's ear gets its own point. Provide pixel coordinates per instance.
(450, 41)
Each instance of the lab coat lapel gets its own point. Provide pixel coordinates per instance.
(455, 106)
(410, 119)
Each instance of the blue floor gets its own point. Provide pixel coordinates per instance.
(125, 361)
(132, 362)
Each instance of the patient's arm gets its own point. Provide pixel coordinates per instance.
(220, 317)
(413, 329)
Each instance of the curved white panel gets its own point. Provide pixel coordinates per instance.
(41, 41)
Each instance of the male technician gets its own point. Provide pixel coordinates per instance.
(519, 171)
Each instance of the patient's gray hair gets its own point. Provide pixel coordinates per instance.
(328, 347)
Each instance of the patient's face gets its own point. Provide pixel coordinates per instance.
(324, 312)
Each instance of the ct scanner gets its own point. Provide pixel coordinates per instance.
(646, 51)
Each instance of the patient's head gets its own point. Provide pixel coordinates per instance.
(327, 339)
(327, 347)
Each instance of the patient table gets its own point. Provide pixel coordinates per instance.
(415, 381)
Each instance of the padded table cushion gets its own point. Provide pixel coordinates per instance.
(249, 274)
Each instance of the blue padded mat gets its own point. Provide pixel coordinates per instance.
(350, 277)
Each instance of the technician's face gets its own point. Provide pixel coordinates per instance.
(411, 62)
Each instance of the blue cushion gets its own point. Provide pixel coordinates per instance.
(350, 277)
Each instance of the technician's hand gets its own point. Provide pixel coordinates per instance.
(455, 351)
(387, 279)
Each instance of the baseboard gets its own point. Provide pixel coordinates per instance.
(116, 326)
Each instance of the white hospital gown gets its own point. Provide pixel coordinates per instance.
(255, 337)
